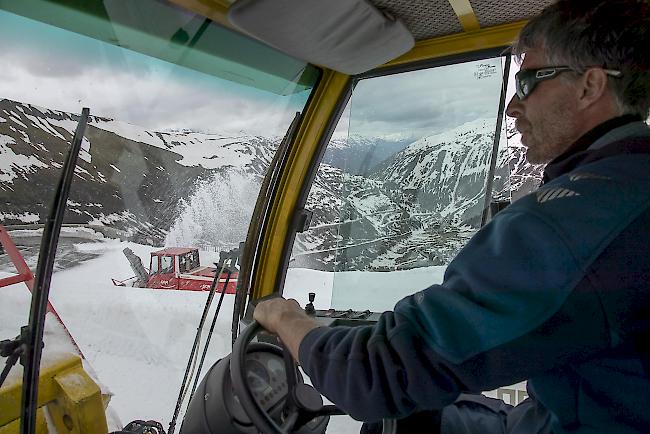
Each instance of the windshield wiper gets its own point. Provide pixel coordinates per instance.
(29, 346)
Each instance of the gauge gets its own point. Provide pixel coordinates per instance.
(257, 376)
(276, 366)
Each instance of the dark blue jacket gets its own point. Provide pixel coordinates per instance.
(554, 290)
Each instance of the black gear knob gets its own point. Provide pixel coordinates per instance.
(309, 307)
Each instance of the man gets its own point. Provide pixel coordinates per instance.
(555, 289)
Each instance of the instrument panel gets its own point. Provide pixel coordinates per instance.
(266, 377)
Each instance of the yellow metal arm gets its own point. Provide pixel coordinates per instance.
(72, 399)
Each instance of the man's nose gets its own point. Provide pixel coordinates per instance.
(514, 109)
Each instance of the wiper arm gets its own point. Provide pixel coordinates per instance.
(32, 336)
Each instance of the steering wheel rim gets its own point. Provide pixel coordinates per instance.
(258, 416)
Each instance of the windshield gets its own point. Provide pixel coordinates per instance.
(185, 118)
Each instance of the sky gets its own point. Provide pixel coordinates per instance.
(425, 102)
(57, 69)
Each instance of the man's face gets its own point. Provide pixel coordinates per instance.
(546, 118)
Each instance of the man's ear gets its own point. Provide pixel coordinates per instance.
(592, 87)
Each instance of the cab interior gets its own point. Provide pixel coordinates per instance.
(379, 147)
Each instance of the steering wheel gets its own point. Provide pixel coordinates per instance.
(302, 404)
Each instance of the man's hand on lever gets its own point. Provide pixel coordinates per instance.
(286, 319)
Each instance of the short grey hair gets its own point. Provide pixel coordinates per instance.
(612, 34)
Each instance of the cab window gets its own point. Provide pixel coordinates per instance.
(154, 265)
(166, 264)
(183, 263)
(402, 185)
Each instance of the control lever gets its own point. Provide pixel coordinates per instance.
(360, 315)
(342, 313)
(309, 307)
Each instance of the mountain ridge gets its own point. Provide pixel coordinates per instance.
(378, 204)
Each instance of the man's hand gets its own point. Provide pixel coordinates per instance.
(272, 313)
(286, 319)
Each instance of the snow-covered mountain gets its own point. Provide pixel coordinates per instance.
(359, 155)
(524, 177)
(416, 207)
(378, 203)
(251, 154)
(128, 178)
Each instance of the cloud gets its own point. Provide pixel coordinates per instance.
(156, 97)
(61, 70)
(424, 102)
(162, 96)
(53, 62)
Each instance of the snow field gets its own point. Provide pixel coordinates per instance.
(136, 341)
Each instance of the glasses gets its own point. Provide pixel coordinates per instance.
(527, 79)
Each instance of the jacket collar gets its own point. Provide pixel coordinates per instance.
(582, 151)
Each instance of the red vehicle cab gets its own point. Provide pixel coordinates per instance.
(179, 268)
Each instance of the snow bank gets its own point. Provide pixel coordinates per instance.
(14, 313)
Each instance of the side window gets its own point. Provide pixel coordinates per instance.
(182, 267)
(402, 186)
(166, 264)
(154, 265)
(195, 260)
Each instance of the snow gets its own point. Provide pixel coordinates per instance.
(67, 124)
(136, 340)
(103, 219)
(197, 225)
(449, 137)
(129, 131)
(358, 290)
(44, 124)
(84, 152)
(26, 217)
(210, 151)
(14, 118)
(12, 164)
(379, 291)
(14, 313)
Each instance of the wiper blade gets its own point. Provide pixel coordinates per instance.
(32, 336)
